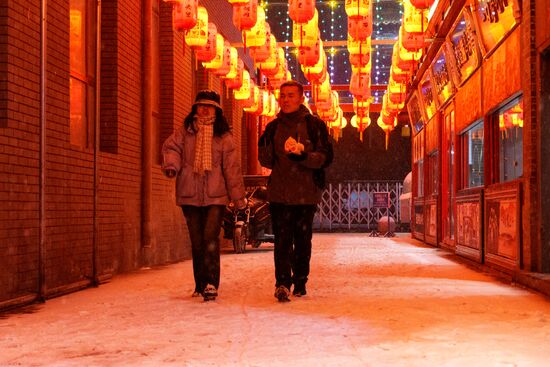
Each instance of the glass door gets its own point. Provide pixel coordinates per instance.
(448, 177)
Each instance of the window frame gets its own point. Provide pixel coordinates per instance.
(465, 149)
(496, 142)
(85, 137)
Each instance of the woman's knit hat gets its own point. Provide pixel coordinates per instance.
(208, 97)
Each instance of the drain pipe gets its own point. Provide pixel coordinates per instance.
(95, 241)
(42, 204)
(147, 158)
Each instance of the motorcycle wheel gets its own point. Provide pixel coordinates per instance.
(239, 240)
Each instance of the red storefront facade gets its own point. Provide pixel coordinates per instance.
(479, 111)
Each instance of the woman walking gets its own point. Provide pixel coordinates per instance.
(203, 157)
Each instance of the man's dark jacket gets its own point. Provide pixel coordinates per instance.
(291, 181)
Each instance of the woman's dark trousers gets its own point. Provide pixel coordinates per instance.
(204, 223)
(292, 227)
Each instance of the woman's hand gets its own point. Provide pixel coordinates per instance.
(241, 204)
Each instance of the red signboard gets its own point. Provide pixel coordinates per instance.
(380, 199)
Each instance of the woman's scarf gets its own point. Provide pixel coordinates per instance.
(203, 144)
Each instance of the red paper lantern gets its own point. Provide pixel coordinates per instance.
(422, 4)
(414, 20)
(270, 69)
(402, 59)
(197, 36)
(411, 41)
(278, 79)
(360, 122)
(317, 72)
(306, 34)
(217, 61)
(399, 75)
(397, 92)
(358, 8)
(226, 62)
(360, 28)
(237, 81)
(185, 14)
(359, 51)
(250, 101)
(327, 106)
(309, 56)
(391, 107)
(256, 36)
(263, 52)
(244, 91)
(245, 15)
(208, 52)
(258, 107)
(234, 62)
(359, 84)
(301, 11)
(324, 92)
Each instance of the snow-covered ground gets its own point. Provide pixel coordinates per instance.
(371, 302)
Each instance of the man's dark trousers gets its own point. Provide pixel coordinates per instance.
(292, 227)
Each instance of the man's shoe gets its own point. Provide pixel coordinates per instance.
(196, 294)
(299, 290)
(282, 293)
(210, 293)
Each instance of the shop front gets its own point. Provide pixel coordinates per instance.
(466, 110)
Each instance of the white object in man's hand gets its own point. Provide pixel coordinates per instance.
(292, 146)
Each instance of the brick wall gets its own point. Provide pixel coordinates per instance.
(68, 172)
(19, 147)
(120, 173)
(70, 186)
(176, 96)
(108, 141)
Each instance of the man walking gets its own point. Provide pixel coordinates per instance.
(295, 146)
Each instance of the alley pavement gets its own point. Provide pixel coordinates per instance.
(371, 301)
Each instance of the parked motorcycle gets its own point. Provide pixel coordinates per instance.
(250, 226)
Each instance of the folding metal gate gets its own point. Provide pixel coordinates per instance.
(349, 205)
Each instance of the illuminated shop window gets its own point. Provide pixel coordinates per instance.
(82, 66)
(472, 156)
(510, 141)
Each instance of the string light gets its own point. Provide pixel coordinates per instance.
(387, 15)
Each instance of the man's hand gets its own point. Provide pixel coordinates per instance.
(297, 157)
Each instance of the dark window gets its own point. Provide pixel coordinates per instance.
(472, 156)
(510, 140)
